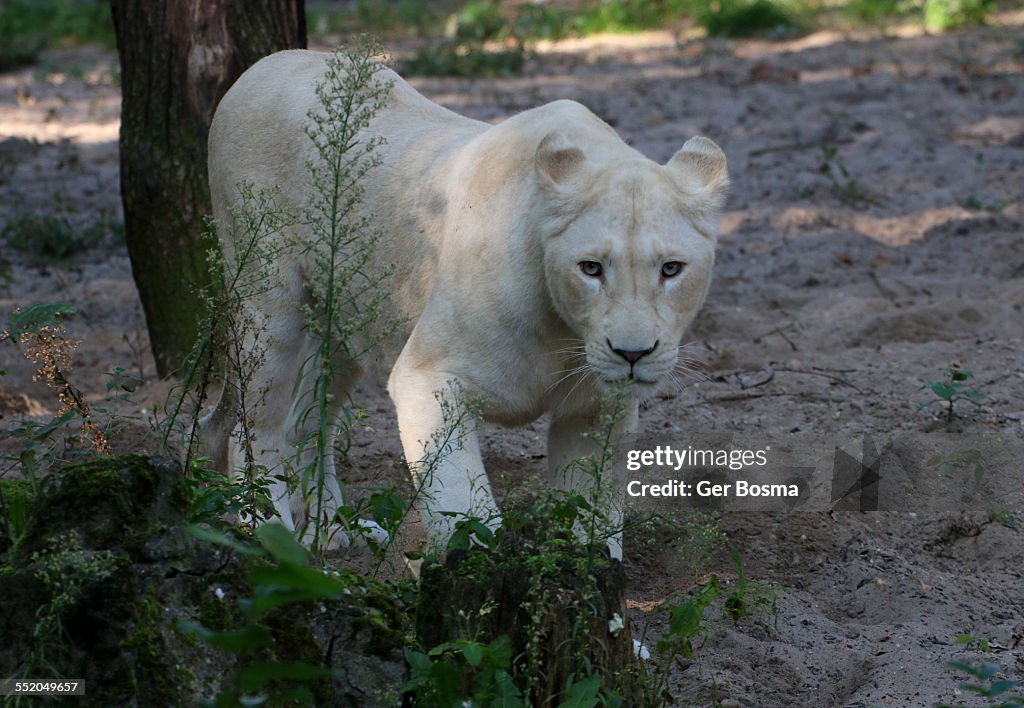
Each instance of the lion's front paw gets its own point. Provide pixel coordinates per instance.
(371, 531)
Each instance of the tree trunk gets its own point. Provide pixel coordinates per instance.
(178, 58)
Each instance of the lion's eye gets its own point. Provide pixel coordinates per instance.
(591, 269)
(671, 269)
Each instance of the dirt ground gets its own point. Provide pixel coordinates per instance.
(873, 236)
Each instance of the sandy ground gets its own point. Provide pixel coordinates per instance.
(873, 235)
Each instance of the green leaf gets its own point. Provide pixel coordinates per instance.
(582, 694)
(974, 688)
(482, 532)
(500, 650)
(442, 649)
(735, 607)
(388, 509)
(684, 619)
(284, 585)
(228, 698)
(473, 652)
(282, 544)
(459, 540)
(508, 694)
(33, 318)
(942, 389)
(256, 675)
(446, 680)
(997, 688)
(44, 431)
(737, 563)
(223, 539)
(982, 672)
(417, 660)
(667, 645)
(241, 642)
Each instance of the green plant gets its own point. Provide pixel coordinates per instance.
(40, 330)
(989, 685)
(693, 536)
(440, 676)
(844, 184)
(952, 389)
(233, 336)
(627, 15)
(457, 59)
(16, 497)
(540, 550)
(746, 598)
(969, 641)
(42, 444)
(879, 13)
(976, 204)
(959, 460)
(348, 294)
(214, 497)
(27, 27)
(464, 49)
(65, 571)
(686, 624)
(747, 18)
(287, 579)
(943, 15)
(395, 17)
(554, 544)
(52, 238)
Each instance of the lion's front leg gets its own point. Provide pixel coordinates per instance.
(442, 450)
(576, 450)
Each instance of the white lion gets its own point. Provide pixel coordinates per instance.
(538, 263)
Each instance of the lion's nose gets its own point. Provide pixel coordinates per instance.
(632, 355)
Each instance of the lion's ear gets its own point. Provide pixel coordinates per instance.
(558, 160)
(701, 167)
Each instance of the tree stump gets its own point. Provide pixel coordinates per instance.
(560, 602)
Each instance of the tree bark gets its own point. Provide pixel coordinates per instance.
(178, 58)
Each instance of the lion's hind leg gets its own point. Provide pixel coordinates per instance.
(215, 431)
(314, 424)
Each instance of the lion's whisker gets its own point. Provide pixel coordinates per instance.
(571, 372)
(583, 378)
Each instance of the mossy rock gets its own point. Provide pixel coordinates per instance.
(110, 502)
(106, 568)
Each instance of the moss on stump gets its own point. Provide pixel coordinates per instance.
(105, 569)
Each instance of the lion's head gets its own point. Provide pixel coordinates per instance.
(629, 263)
